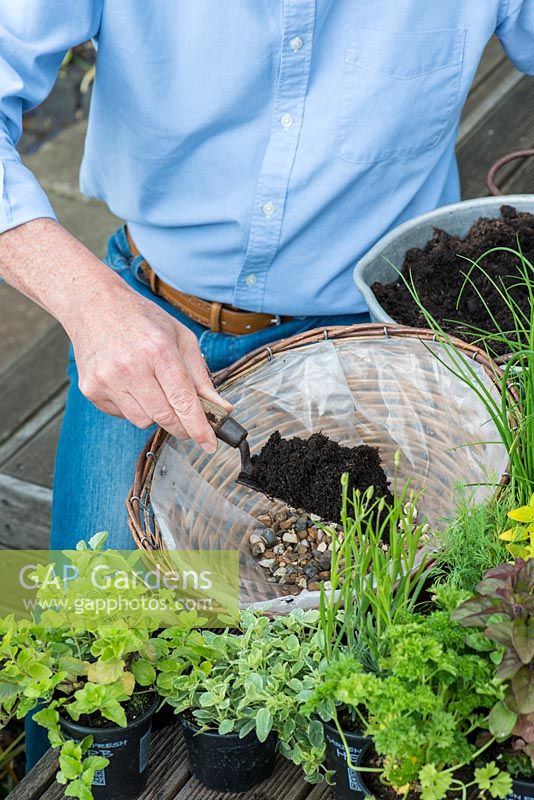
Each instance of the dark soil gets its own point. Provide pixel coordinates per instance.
(438, 271)
(134, 708)
(306, 473)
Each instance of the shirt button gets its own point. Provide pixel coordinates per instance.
(286, 120)
(296, 44)
(251, 280)
(268, 209)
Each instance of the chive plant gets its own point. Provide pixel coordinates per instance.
(378, 570)
(511, 407)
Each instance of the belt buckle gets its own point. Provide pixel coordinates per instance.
(276, 320)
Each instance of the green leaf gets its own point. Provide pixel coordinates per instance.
(49, 719)
(8, 692)
(95, 762)
(490, 779)
(226, 726)
(144, 672)
(39, 672)
(501, 720)
(434, 784)
(316, 733)
(116, 713)
(96, 541)
(207, 699)
(70, 760)
(78, 789)
(264, 723)
(501, 786)
(105, 672)
(247, 728)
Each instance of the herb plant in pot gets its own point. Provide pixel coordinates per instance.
(238, 693)
(92, 674)
(425, 709)
(504, 606)
(378, 571)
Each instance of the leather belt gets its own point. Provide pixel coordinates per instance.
(218, 317)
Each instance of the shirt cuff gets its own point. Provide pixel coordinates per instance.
(22, 198)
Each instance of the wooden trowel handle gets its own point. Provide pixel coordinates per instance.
(225, 427)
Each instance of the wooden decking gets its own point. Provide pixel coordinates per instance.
(170, 778)
(498, 118)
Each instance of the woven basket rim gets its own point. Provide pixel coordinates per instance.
(141, 522)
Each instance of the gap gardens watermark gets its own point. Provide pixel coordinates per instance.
(90, 582)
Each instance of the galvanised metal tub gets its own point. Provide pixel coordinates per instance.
(456, 219)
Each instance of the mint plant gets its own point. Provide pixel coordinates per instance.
(77, 663)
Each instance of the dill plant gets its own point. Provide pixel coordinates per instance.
(469, 545)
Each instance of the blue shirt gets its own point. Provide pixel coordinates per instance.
(257, 148)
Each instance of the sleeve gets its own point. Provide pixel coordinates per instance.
(516, 32)
(34, 37)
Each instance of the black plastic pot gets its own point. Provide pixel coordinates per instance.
(521, 790)
(228, 763)
(127, 748)
(349, 783)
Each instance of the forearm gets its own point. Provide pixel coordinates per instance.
(47, 264)
(134, 360)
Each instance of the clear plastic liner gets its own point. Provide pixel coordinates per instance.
(387, 392)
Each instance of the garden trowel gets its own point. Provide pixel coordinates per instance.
(229, 431)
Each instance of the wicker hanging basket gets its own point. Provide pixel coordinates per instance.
(441, 430)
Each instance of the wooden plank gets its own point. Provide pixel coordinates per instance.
(492, 56)
(21, 323)
(169, 777)
(32, 379)
(34, 461)
(169, 770)
(481, 100)
(33, 427)
(507, 127)
(519, 182)
(33, 786)
(494, 68)
(25, 511)
(321, 791)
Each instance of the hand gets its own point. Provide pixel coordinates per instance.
(137, 362)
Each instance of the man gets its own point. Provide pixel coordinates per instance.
(256, 149)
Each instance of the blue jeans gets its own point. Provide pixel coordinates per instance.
(97, 453)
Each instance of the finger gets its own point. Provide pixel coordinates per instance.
(108, 407)
(132, 411)
(182, 396)
(196, 366)
(151, 398)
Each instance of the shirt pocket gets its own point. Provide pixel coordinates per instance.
(399, 93)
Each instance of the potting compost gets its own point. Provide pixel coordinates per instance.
(388, 394)
(306, 473)
(450, 257)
